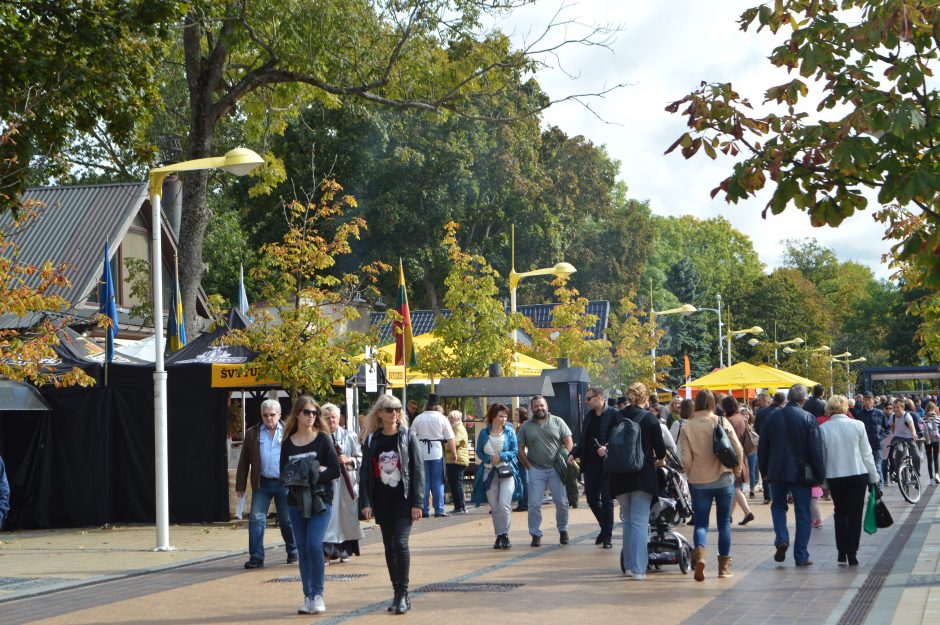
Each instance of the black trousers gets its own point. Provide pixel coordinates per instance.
(597, 493)
(455, 484)
(395, 533)
(930, 450)
(848, 502)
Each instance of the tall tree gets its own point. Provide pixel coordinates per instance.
(477, 333)
(687, 335)
(299, 333)
(259, 60)
(633, 337)
(71, 67)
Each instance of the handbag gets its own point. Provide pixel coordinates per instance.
(722, 448)
(882, 515)
(750, 440)
(503, 471)
(870, 524)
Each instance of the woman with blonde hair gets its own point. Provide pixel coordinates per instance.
(709, 480)
(391, 481)
(308, 467)
(850, 469)
(635, 491)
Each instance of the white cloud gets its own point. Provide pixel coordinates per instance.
(665, 50)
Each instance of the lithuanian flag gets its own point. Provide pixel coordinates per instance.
(404, 340)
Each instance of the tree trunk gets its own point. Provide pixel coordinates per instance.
(432, 294)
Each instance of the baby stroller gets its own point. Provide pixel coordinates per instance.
(673, 506)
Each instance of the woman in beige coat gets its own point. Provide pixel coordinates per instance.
(709, 480)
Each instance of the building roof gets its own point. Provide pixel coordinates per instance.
(542, 315)
(71, 227)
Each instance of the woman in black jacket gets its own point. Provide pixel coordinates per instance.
(308, 466)
(391, 488)
(635, 491)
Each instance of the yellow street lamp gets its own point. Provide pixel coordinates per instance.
(560, 270)
(239, 161)
(739, 333)
(683, 309)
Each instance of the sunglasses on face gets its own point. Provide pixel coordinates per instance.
(311, 412)
(391, 410)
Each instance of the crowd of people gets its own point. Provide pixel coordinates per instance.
(794, 447)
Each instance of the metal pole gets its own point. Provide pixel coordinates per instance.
(847, 382)
(161, 454)
(831, 387)
(721, 356)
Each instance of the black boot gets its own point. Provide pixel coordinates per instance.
(499, 542)
(391, 606)
(506, 543)
(403, 604)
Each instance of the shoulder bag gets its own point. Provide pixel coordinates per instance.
(722, 447)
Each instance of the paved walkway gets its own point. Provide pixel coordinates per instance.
(112, 576)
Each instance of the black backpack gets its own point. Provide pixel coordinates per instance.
(625, 448)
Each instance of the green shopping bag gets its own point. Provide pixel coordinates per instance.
(870, 524)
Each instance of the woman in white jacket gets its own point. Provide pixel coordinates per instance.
(850, 468)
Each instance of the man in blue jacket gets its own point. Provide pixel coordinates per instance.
(789, 441)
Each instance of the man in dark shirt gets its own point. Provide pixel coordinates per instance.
(815, 404)
(594, 436)
(760, 417)
(876, 427)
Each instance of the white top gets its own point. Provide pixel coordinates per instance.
(846, 450)
(494, 445)
(901, 427)
(432, 427)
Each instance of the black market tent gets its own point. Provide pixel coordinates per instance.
(89, 459)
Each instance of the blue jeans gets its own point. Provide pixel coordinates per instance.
(635, 507)
(538, 480)
(434, 484)
(271, 488)
(309, 535)
(778, 512)
(752, 470)
(702, 510)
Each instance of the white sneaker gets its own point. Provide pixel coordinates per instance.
(639, 576)
(307, 607)
(318, 606)
(936, 478)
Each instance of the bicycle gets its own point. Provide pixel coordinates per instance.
(904, 474)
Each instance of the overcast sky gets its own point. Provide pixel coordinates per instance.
(665, 49)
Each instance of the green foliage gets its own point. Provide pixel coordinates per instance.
(225, 249)
(140, 279)
(693, 335)
(301, 334)
(571, 335)
(874, 129)
(478, 331)
(633, 340)
(23, 291)
(71, 67)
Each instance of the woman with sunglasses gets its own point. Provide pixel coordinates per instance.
(391, 488)
(307, 450)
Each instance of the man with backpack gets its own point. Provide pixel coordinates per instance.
(541, 440)
(594, 436)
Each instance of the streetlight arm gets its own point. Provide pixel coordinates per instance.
(561, 269)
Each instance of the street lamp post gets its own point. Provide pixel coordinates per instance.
(561, 270)
(721, 346)
(807, 351)
(835, 358)
(684, 309)
(847, 361)
(239, 161)
(732, 333)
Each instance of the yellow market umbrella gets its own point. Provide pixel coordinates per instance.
(797, 379)
(741, 375)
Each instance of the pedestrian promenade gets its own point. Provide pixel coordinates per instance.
(112, 576)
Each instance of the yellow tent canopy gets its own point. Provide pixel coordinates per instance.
(797, 379)
(742, 375)
(395, 374)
